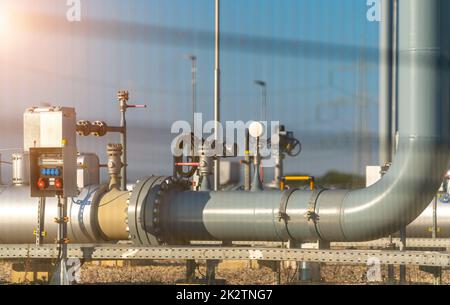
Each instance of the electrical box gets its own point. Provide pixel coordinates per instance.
(49, 176)
(50, 127)
(50, 139)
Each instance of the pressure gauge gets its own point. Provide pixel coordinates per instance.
(256, 129)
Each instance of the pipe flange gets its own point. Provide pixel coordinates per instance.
(144, 209)
(136, 212)
(163, 192)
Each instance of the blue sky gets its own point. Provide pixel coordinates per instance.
(315, 96)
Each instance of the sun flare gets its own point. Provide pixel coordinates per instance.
(4, 24)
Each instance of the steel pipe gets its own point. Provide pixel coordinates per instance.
(160, 210)
(19, 212)
(386, 82)
(358, 215)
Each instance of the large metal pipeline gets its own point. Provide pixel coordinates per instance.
(161, 210)
(366, 214)
(202, 217)
(423, 225)
(97, 216)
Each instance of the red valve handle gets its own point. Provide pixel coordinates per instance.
(187, 164)
(136, 106)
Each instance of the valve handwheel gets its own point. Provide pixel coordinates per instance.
(191, 162)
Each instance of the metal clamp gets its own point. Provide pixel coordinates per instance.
(63, 241)
(65, 219)
(282, 214)
(311, 215)
(43, 233)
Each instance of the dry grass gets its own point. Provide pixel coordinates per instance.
(169, 272)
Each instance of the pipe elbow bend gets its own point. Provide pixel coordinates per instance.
(392, 203)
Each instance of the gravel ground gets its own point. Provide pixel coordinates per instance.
(169, 272)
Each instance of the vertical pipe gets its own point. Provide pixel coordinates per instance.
(257, 184)
(217, 95)
(123, 141)
(278, 170)
(264, 108)
(62, 241)
(279, 157)
(435, 224)
(385, 83)
(40, 221)
(403, 248)
(194, 88)
(394, 87)
(247, 162)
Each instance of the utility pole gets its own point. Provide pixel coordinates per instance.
(193, 60)
(263, 86)
(217, 118)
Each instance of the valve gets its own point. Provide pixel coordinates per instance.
(123, 97)
(192, 162)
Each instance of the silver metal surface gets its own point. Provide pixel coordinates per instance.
(20, 168)
(19, 212)
(422, 227)
(18, 216)
(125, 252)
(230, 216)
